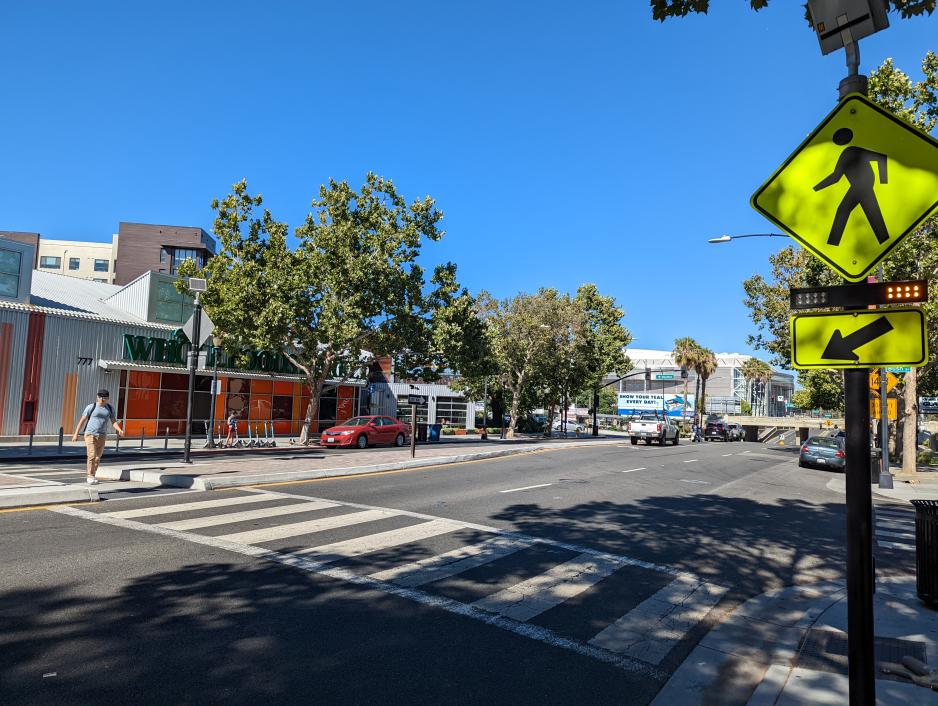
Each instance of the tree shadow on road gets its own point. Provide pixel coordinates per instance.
(749, 545)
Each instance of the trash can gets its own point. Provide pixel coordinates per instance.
(422, 432)
(926, 550)
(876, 464)
(434, 434)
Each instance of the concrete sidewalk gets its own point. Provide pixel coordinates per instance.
(789, 646)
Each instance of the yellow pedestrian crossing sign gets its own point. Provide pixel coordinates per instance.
(866, 338)
(858, 185)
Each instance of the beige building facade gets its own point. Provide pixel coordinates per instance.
(81, 259)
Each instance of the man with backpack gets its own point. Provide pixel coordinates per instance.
(95, 419)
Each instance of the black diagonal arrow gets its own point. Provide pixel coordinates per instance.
(842, 347)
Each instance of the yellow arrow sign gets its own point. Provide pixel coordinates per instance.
(876, 382)
(892, 409)
(860, 183)
(859, 339)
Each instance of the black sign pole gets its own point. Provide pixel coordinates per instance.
(193, 364)
(860, 572)
(413, 430)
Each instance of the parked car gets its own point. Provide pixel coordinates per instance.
(717, 430)
(737, 433)
(650, 427)
(823, 452)
(366, 431)
(570, 426)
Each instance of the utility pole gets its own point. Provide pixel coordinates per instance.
(193, 365)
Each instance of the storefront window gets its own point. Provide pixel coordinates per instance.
(404, 413)
(451, 411)
(9, 273)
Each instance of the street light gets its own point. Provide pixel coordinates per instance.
(727, 238)
(216, 346)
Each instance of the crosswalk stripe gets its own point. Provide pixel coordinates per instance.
(185, 507)
(527, 599)
(232, 517)
(380, 540)
(895, 516)
(895, 535)
(269, 534)
(441, 566)
(654, 626)
(896, 545)
(893, 524)
(47, 473)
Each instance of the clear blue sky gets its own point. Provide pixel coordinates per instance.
(565, 142)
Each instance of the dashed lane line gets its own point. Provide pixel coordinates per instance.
(632, 470)
(527, 487)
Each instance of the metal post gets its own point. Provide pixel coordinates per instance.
(166, 439)
(141, 439)
(211, 437)
(885, 477)
(193, 364)
(859, 539)
(61, 438)
(485, 408)
(595, 411)
(413, 430)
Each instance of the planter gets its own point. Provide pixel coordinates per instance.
(461, 432)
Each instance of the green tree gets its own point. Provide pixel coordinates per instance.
(351, 285)
(756, 371)
(821, 389)
(686, 354)
(664, 9)
(705, 367)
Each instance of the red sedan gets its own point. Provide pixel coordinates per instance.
(366, 431)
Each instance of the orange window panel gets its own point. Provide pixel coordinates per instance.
(262, 387)
(145, 379)
(346, 391)
(343, 410)
(283, 388)
(142, 404)
(135, 426)
(260, 406)
(283, 428)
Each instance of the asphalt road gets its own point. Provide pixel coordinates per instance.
(553, 564)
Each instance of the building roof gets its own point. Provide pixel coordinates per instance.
(655, 358)
(52, 293)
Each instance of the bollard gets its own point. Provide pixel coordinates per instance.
(61, 438)
(166, 439)
(141, 439)
(30, 451)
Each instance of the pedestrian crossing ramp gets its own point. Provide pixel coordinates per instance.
(623, 611)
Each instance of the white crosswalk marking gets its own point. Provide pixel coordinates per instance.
(529, 598)
(896, 545)
(895, 535)
(895, 523)
(380, 540)
(654, 626)
(450, 563)
(232, 517)
(185, 507)
(269, 534)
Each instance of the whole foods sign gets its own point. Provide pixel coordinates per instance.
(638, 403)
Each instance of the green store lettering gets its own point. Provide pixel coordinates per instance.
(174, 351)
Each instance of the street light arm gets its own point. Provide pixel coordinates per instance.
(727, 238)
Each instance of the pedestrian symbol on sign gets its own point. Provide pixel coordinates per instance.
(855, 164)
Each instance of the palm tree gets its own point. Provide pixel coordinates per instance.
(756, 370)
(706, 366)
(686, 353)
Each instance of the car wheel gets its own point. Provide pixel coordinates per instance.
(677, 438)
(399, 440)
(634, 441)
(362, 442)
(802, 464)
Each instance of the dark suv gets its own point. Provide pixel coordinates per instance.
(717, 430)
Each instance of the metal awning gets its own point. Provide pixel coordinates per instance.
(223, 372)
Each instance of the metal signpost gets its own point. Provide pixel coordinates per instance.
(414, 401)
(861, 182)
(193, 329)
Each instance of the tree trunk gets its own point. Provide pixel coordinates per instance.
(910, 424)
(697, 400)
(513, 422)
(702, 403)
(312, 409)
(684, 411)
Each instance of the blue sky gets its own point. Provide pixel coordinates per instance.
(565, 142)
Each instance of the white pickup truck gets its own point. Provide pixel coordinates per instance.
(653, 428)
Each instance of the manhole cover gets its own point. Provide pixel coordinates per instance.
(826, 650)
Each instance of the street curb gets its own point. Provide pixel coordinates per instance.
(47, 495)
(143, 474)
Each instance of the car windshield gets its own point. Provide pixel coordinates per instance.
(648, 418)
(827, 442)
(356, 422)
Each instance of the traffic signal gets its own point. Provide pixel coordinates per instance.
(647, 374)
(683, 372)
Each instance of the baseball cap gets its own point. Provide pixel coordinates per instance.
(103, 393)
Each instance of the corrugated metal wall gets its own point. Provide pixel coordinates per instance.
(68, 346)
(14, 393)
(133, 298)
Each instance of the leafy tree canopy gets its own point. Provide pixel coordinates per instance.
(664, 9)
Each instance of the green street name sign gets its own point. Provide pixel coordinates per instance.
(664, 376)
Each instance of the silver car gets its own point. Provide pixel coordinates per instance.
(823, 452)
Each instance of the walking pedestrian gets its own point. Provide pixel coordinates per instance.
(232, 428)
(95, 419)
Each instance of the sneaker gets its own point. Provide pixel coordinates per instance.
(91, 480)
